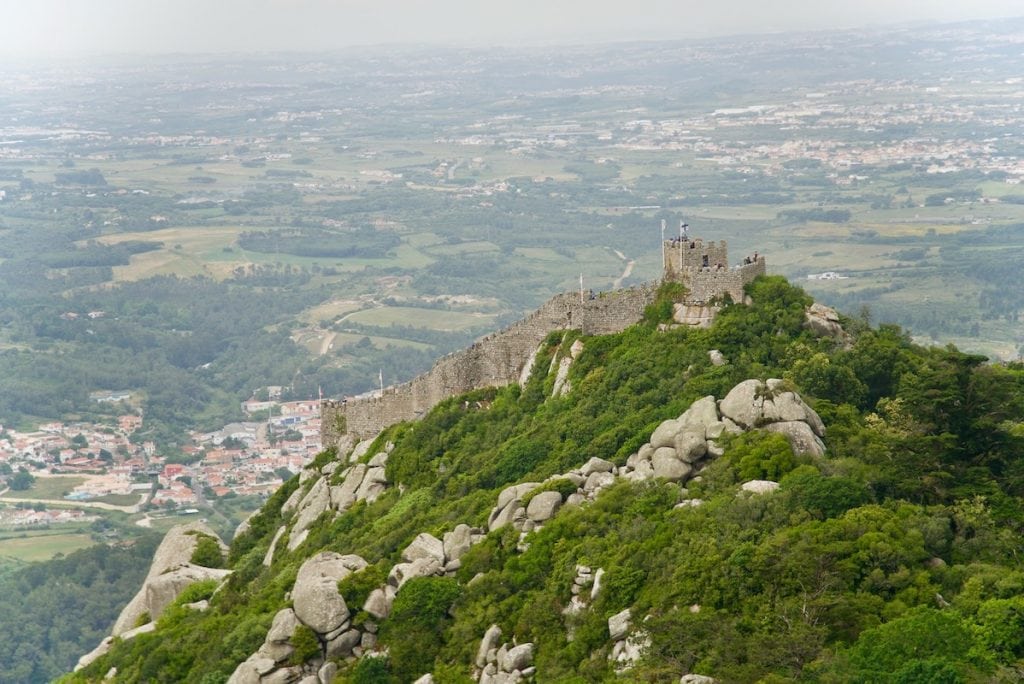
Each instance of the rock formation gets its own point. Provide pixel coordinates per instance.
(336, 490)
(503, 664)
(170, 573)
(823, 321)
(677, 450)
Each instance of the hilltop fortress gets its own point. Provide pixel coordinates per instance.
(506, 356)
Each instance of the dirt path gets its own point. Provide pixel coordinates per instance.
(630, 263)
(325, 344)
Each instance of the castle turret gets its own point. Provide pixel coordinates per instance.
(703, 267)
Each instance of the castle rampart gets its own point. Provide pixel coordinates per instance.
(492, 361)
(498, 359)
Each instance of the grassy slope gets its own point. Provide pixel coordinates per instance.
(833, 578)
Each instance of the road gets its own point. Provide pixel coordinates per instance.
(630, 263)
(328, 341)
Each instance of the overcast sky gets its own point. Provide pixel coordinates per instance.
(56, 27)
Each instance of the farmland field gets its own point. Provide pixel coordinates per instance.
(49, 488)
(40, 547)
(246, 245)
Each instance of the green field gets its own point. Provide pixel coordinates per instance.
(120, 499)
(342, 340)
(211, 251)
(475, 247)
(328, 311)
(40, 547)
(48, 488)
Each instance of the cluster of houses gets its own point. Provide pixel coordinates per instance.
(75, 447)
(28, 517)
(246, 458)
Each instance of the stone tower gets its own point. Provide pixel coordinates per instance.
(703, 267)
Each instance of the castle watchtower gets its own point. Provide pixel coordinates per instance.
(685, 257)
(703, 267)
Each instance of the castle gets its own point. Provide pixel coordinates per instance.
(506, 356)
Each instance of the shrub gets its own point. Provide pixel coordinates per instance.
(372, 670)
(761, 455)
(825, 497)
(936, 637)
(306, 644)
(660, 310)
(413, 632)
(356, 587)
(207, 552)
(1000, 628)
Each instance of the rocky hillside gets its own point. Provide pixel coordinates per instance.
(784, 496)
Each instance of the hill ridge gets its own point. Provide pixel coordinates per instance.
(504, 357)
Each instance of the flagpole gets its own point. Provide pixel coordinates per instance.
(680, 246)
(581, 287)
(663, 264)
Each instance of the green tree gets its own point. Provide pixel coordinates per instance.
(922, 640)
(22, 480)
(413, 631)
(207, 552)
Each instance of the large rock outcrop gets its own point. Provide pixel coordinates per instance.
(170, 572)
(823, 321)
(677, 450)
(679, 446)
(318, 605)
(336, 489)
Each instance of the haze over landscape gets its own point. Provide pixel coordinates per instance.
(563, 439)
(58, 27)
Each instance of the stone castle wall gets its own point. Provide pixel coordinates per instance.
(706, 284)
(499, 358)
(704, 268)
(492, 361)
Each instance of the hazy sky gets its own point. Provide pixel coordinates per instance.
(54, 27)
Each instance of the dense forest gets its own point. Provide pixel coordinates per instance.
(894, 557)
(321, 243)
(53, 612)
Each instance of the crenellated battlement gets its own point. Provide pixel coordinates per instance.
(505, 356)
(703, 267)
